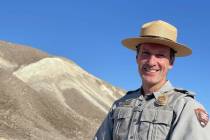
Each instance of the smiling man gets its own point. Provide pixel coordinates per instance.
(153, 62)
(157, 110)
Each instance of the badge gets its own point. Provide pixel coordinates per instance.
(162, 100)
(127, 103)
(202, 116)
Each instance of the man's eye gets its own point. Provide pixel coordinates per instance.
(160, 55)
(145, 53)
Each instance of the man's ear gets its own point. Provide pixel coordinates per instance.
(171, 62)
(170, 66)
(137, 59)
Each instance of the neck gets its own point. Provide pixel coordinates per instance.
(148, 89)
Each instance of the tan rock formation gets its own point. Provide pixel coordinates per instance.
(50, 98)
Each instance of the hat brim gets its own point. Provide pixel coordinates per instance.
(181, 50)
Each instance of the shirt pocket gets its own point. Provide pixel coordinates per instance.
(122, 117)
(155, 124)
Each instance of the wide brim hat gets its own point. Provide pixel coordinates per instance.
(158, 32)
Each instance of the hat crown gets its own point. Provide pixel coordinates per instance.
(159, 28)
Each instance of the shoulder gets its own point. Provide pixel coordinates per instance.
(179, 97)
(188, 109)
(185, 92)
(133, 91)
(127, 99)
(184, 97)
(187, 102)
(130, 95)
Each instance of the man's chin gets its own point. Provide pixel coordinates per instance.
(150, 80)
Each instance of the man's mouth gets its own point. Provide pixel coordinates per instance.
(150, 70)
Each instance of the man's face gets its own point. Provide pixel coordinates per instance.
(153, 63)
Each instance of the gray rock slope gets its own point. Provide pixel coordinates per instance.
(44, 97)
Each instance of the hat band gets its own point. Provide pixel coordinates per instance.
(157, 37)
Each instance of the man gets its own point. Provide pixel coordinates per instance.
(156, 111)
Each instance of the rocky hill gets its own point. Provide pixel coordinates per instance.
(44, 97)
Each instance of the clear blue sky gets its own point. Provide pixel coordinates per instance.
(90, 33)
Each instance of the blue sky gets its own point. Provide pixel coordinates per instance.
(90, 34)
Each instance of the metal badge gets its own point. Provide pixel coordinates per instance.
(202, 116)
(162, 100)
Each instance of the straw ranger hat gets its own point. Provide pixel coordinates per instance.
(158, 32)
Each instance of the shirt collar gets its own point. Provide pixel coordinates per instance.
(163, 90)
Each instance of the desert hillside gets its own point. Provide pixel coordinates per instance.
(45, 97)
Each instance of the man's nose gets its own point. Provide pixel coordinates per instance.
(152, 60)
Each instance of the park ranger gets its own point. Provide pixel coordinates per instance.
(157, 110)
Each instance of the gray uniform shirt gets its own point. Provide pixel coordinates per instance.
(168, 114)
